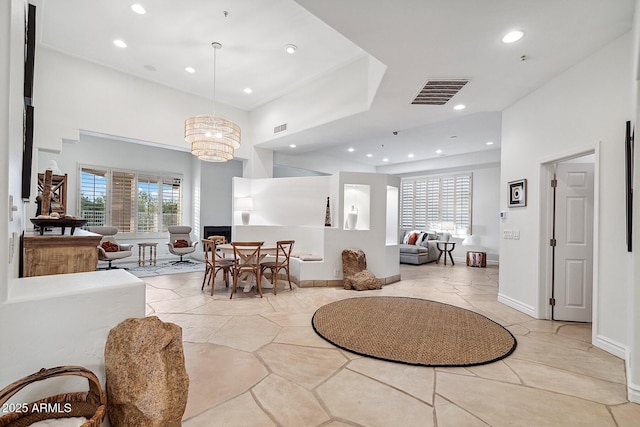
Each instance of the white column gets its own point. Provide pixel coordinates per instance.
(259, 164)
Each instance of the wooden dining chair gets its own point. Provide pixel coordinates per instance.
(214, 262)
(283, 255)
(247, 262)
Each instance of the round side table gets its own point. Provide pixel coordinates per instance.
(142, 253)
(446, 248)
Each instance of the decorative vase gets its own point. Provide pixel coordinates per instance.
(352, 218)
(245, 217)
(327, 215)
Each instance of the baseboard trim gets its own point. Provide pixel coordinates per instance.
(613, 347)
(633, 393)
(515, 304)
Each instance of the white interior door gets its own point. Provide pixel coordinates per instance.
(573, 284)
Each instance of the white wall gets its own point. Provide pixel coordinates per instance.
(323, 164)
(64, 320)
(344, 92)
(72, 94)
(634, 294)
(583, 108)
(288, 172)
(294, 208)
(12, 18)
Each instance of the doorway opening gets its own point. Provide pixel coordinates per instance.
(567, 246)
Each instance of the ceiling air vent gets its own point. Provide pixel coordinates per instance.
(438, 92)
(279, 129)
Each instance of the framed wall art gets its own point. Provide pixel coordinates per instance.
(629, 155)
(517, 193)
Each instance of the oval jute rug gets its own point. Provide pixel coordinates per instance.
(413, 331)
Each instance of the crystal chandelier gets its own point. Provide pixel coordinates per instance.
(212, 138)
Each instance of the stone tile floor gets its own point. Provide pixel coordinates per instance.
(258, 362)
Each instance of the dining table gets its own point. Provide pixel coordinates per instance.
(265, 250)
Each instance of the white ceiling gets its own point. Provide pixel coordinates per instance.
(417, 40)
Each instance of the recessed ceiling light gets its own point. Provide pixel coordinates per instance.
(351, 150)
(490, 143)
(369, 155)
(410, 156)
(292, 145)
(290, 48)
(438, 151)
(460, 107)
(512, 36)
(120, 43)
(385, 160)
(137, 8)
(247, 90)
(190, 70)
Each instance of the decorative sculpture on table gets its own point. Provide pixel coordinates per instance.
(327, 215)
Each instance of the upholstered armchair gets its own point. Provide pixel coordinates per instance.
(109, 249)
(180, 241)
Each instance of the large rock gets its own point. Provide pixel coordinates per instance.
(362, 281)
(355, 273)
(147, 382)
(353, 261)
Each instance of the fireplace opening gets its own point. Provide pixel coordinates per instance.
(217, 230)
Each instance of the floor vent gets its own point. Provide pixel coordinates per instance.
(438, 92)
(279, 129)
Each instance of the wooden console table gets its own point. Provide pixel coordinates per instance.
(53, 253)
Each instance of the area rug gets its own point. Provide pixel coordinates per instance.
(413, 331)
(162, 268)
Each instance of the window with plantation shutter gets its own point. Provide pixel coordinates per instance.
(420, 205)
(122, 203)
(134, 202)
(428, 202)
(93, 196)
(433, 203)
(406, 204)
(170, 202)
(447, 199)
(463, 203)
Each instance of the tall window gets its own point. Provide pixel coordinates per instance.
(131, 201)
(430, 202)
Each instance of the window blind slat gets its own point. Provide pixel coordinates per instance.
(123, 207)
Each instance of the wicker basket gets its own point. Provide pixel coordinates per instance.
(90, 404)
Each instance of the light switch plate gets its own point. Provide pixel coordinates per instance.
(12, 208)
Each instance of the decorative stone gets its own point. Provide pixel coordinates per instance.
(355, 273)
(146, 379)
(353, 261)
(362, 281)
